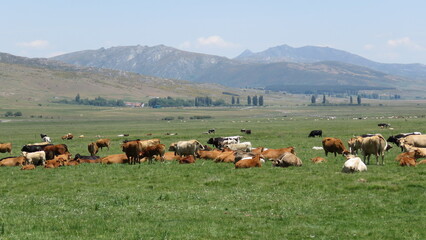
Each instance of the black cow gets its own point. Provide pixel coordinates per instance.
(34, 148)
(211, 131)
(383, 125)
(246, 131)
(315, 133)
(395, 139)
(216, 142)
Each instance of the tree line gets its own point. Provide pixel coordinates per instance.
(98, 101)
(255, 100)
(324, 100)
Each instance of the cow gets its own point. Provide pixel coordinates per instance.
(419, 152)
(354, 144)
(35, 147)
(421, 162)
(155, 150)
(92, 148)
(133, 150)
(315, 133)
(286, 160)
(226, 156)
(45, 138)
(185, 148)
(12, 161)
(333, 145)
(318, 160)
(413, 140)
(28, 167)
(383, 125)
(243, 146)
(209, 154)
(54, 163)
(168, 156)
(101, 143)
(249, 163)
(407, 161)
(211, 131)
(36, 158)
(5, 147)
(240, 155)
(220, 141)
(404, 154)
(246, 131)
(68, 136)
(395, 139)
(54, 150)
(187, 159)
(375, 145)
(353, 164)
(258, 150)
(86, 159)
(276, 153)
(115, 158)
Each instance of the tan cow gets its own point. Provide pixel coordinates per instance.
(28, 167)
(375, 145)
(318, 160)
(101, 143)
(249, 163)
(414, 140)
(276, 153)
(12, 161)
(225, 156)
(115, 158)
(92, 148)
(286, 160)
(333, 145)
(5, 147)
(186, 148)
(209, 154)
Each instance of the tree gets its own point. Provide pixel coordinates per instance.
(254, 99)
(313, 99)
(8, 114)
(261, 100)
(233, 100)
(248, 100)
(17, 114)
(77, 98)
(358, 99)
(238, 100)
(351, 101)
(323, 99)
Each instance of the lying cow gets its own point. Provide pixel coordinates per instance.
(115, 158)
(353, 164)
(249, 163)
(286, 160)
(276, 153)
(86, 159)
(243, 146)
(5, 147)
(12, 161)
(187, 159)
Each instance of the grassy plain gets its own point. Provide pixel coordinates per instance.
(208, 200)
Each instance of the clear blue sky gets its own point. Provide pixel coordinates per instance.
(381, 30)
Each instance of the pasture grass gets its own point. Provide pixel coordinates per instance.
(208, 200)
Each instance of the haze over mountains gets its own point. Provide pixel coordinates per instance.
(282, 65)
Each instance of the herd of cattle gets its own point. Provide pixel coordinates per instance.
(226, 149)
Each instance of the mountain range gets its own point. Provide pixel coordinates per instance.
(277, 66)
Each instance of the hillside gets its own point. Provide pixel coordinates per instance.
(43, 80)
(162, 61)
(313, 54)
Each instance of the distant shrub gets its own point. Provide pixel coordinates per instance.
(200, 117)
(180, 118)
(168, 118)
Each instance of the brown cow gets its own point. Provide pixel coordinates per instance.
(28, 167)
(276, 153)
(333, 145)
(151, 151)
(404, 154)
(286, 160)
(226, 156)
(54, 163)
(101, 143)
(133, 149)
(187, 160)
(249, 163)
(407, 161)
(421, 162)
(92, 148)
(318, 160)
(212, 154)
(168, 156)
(5, 147)
(55, 150)
(68, 136)
(12, 161)
(115, 158)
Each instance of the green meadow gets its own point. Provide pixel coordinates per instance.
(208, 200)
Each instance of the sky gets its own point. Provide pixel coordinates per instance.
(388, 31)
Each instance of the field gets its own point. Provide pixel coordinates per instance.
(208, 200)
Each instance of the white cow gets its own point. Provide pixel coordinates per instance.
(354, 164)
(186, 148)
(36, 158)
(243, 146)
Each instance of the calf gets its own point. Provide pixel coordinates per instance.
(212, 154)
(249, 163)
(28, 167)
(318, 160)
(226, 156)
(55, 150)
(407, 161)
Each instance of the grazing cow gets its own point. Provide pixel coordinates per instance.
(383, 125)
(220, 141)
(36, 158)
(86, 159)
(101, 143)
(185, 148)
(276, 153)
(413, 140)
(243, 146)
(395, 139)
(68, 136)
(286, 160)
(249, 163)
(318, 160)
(156, 150)
(246, 131)
(92, 148)
(315, 133)
(187, 159)
(5, 147)
(115, 158)
(12, 161)
(55, 150)
(28, 167)
(211, 131)
(333, 145)
(375, 145)
(353, 164)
